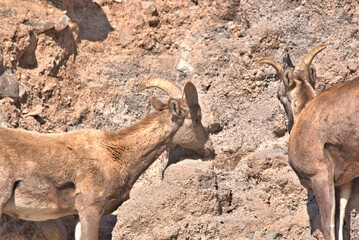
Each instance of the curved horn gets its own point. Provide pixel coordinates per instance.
(190, 92)
(307, 59)
(274, 63)
(169, 87)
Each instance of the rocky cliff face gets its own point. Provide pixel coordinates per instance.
(73, 64)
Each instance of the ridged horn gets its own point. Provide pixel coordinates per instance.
(169, 87)
(190, 92)
(274, 64)
(307, 59)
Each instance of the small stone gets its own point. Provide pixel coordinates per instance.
(352, 66)
(37, 111)
(23, 93)
(9, 86)
(279, 129)
(2, 69)
(184, 66)
(62, 23)
(125, 38)
(153, 22)
(39, 27)
(150, 8)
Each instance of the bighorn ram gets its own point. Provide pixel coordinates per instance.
(321, 145)
(91, 172)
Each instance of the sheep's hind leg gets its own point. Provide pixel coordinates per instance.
(78, 230)
(323, 188)
(344, 195)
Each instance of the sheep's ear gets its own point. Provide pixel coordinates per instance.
(156, 103)
(174, 107)
(288, 78)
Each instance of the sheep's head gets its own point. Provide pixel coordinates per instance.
(185, 115)
(296, 90)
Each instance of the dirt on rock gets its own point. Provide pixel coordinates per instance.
(77, 64)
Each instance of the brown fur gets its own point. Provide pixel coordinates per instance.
(87, 172)
(324, 147)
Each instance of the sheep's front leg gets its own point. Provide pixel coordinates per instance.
(89, 221)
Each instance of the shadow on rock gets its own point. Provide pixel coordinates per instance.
(313, 213)
(178, 154)
(108, 222)
(92, 21)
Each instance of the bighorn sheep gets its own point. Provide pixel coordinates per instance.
(91, 172)
(296, 90)
(324, 150)
(309, 157)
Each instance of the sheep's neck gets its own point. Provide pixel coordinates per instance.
(302, 96)
(139, 145)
